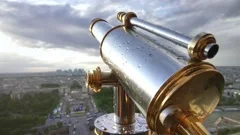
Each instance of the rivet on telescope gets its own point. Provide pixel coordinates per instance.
(174, 96)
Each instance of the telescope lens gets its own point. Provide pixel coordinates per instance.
(211, 50)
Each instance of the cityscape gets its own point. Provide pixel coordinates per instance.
(75, 109)
(74, 112)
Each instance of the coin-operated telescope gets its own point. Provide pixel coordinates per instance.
(175, 96)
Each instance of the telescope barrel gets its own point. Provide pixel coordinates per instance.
(201, 47)
(145, 70)
(165, 33)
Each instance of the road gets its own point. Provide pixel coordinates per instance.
(79, 122)
(80, 127)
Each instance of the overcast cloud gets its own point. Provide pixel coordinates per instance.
(63, 24)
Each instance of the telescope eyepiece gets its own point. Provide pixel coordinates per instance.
(211, 50)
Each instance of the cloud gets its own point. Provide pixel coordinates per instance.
(186, 15)
(57, 26)
(11, 62)
(64, 23)
(17, 63)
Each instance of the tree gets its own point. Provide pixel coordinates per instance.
(86, 108)
(238, 97)
(68, 111)
(59, 124)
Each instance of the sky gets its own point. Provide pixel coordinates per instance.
(45, 35)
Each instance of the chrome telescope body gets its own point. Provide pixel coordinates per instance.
(174, 97)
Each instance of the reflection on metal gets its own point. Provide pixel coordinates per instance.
(175, 97)
(124, 107)
(105, 125)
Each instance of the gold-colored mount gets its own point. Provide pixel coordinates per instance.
(96, 78)
(93, 80)
(196, 47)
(174, 118)
(123, 117)
(125, 18)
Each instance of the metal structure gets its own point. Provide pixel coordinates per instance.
(224, 120)
(174, 97)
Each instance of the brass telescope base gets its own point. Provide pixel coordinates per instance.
(105, 125)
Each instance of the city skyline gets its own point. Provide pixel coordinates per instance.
(46, 35)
